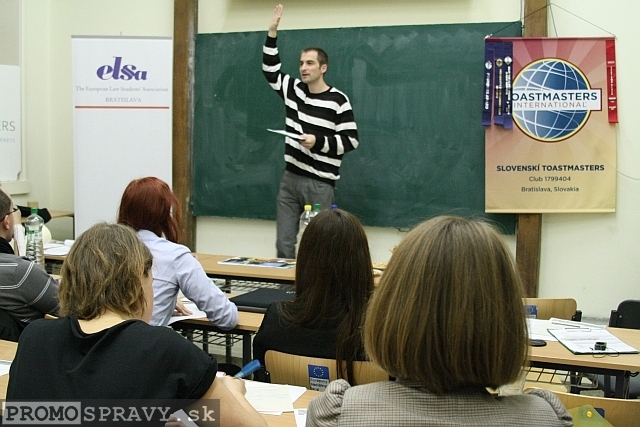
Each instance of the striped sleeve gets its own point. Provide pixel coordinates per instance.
(345, 138)
(271, 66)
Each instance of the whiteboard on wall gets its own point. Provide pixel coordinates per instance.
(121, 122)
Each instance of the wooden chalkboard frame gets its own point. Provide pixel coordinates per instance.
(417, 158)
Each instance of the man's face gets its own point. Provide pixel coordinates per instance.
(310, 69)
(8, 220)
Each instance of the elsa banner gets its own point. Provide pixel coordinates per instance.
(122, 119)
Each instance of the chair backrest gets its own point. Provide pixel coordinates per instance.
(618, 412)
(627, 315)
(560, 308)
(292, 369)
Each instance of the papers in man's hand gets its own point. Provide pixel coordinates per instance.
(273, 399)
(58, 248)
(289, 134)
(583, 341)
(195, 313)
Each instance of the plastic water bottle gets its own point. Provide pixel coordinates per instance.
(305, 217)
(304, 221)
(317, 207)
(34, 224)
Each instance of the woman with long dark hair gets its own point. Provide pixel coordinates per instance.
(334, 280)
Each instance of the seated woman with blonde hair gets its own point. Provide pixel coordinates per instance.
(103, 347)
(447, 321)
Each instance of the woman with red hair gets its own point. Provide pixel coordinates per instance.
(149, 207)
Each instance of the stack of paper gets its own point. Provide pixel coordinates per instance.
(273, 399)
(195, 313)
(58, 248)
(541, 329)
(583, 341)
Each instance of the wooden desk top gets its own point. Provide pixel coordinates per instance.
(7, 352)
(288, 275)
(211, 266)
(243, 272)
(54, 215)
(287, 419)
(246, 321)
(556, 353)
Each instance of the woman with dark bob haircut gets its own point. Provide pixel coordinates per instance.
(447, 321)
(103, 347)
(149, 207)
(334, 279)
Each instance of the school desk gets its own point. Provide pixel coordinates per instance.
(555, 356)
(248, 324)
(54, 215)
(211, 266)
(7, 352)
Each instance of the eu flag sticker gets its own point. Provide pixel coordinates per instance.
(531, 311)
(318, 377)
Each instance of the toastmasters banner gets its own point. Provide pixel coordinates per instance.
(550, 140)
(10, 139)
(122, 119)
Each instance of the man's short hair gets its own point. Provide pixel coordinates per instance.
(5, 204)
(448, 311)
(323, 58)
(104, 271)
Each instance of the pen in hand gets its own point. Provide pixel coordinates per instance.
(249, 369)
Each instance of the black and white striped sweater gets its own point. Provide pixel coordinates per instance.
(327, 115)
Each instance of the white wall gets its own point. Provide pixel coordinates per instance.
(591, 257)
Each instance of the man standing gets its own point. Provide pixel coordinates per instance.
(322, 117)
(27, 292)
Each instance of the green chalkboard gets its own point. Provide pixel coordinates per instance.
(416, 93)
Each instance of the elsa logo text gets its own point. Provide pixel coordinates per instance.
(552, 100)
(117, 71)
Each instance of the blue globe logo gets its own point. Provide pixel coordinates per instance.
(550, 83)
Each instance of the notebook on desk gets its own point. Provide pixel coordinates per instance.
(259, 300)
(583, 341)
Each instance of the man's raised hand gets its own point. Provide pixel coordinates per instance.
(275, 21)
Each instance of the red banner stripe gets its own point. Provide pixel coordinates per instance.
(612, 91)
